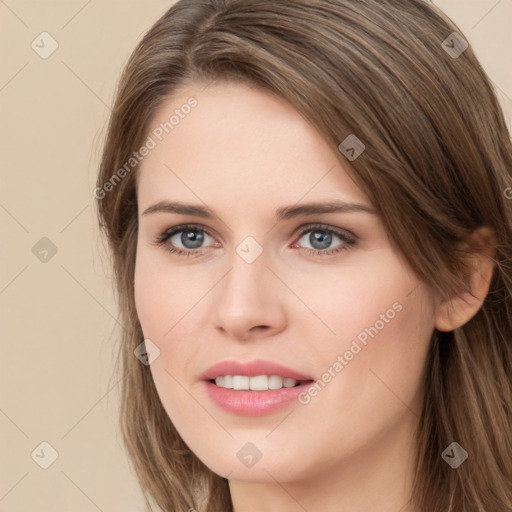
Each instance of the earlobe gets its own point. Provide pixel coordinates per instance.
(459, 309)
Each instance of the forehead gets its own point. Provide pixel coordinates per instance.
(238, 144)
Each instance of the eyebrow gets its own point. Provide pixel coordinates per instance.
(283, 213)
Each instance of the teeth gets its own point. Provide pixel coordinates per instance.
(275, 382)
(258, 383)
(240, 382)
(289, 383)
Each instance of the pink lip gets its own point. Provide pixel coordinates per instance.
(248, 402)
(251, 369)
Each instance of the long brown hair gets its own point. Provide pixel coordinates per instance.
(436, 165)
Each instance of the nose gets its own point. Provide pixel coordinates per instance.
(248, 302)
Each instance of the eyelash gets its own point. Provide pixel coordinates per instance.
(167, 234)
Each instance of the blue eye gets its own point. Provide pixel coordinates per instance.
(190, 238)
(193, 236)
(321, 238)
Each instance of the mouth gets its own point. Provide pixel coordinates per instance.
(253, 388)
(254, 396)
(256, 383)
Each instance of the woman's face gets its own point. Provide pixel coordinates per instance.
(323, 294)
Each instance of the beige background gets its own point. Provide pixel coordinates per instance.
(58, 316)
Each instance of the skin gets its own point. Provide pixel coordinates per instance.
(244, 153)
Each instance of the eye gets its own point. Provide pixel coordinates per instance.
(321, 238)
(191, 238)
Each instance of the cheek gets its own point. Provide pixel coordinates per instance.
(163, 294)
(374, 295)
(373, 375)
(170, 311)
(383, 319)
(160, 306)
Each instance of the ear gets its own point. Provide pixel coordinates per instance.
(479, 266)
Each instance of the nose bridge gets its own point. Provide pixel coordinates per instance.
(246, 281)
(247, 297)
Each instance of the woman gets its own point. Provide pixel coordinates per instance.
(307, 208)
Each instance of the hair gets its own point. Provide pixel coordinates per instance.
(437, 161)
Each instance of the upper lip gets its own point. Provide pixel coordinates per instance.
(252, 369)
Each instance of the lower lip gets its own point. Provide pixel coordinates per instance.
(253, 403)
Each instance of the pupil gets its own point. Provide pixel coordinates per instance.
(322, 237)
